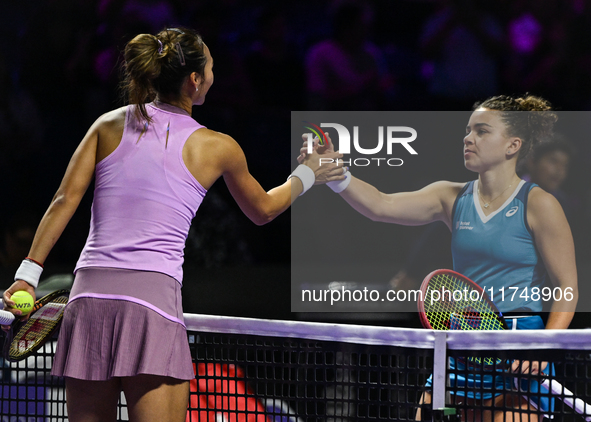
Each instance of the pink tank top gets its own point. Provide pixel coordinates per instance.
(144, 197)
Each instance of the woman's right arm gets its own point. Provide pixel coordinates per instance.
(432, 203)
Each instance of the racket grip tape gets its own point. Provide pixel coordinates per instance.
(38, 305)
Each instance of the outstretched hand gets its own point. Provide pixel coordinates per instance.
(323, 148)
(325, 162)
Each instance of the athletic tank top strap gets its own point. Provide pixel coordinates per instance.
(523, 195)
(466, 189)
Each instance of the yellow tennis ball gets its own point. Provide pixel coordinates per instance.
(23, 301)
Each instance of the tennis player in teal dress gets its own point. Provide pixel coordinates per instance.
(505, 233)
(517, 268)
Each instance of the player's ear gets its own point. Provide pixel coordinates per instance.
(515, 144)
(195, 79)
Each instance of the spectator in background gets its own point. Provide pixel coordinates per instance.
(461, 45)
(345, 71)
(540, 57)
(548, 166)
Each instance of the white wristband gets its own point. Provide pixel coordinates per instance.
(29, 272)
(306, 176)
(340, 185)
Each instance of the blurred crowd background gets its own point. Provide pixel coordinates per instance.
(59, 70)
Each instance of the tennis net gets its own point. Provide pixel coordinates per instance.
(291, 371)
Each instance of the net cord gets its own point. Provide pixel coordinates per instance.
(384, 336)
(576, 339)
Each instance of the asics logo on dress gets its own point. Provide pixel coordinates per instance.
(512, 211)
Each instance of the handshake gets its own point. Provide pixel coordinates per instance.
(319, 164)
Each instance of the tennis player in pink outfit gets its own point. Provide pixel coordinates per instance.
(123, 328)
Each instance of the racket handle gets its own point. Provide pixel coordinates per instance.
(569, 399)
(6, 317)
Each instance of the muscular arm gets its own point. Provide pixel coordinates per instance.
(209, 155)
(258, 205)
(75, 182)
(432, 203)
(554, 241)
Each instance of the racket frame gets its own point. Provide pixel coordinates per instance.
(469, 284)
(20, 328)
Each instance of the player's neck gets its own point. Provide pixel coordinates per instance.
(492, 185)
(180, 106)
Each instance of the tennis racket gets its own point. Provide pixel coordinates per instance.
(25, 338)
(451, 301)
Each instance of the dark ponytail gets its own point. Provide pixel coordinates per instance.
(158, 65)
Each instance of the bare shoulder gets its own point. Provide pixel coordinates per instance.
(446, 191)
(209, 154)
(111, 123)
(542, 205)
(205, 135)
(212, 143)
(113, 118)
(108, 129)
(447, 187)
(545, 216)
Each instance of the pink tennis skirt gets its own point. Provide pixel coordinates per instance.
(121, 323)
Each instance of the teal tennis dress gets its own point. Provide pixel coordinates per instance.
(498, 252)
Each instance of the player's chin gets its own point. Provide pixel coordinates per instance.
(470, 166)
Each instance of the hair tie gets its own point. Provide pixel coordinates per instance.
(179, 51)
(161, 46)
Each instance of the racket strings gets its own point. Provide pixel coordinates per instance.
(461, 307)
(37, 328)
(451, 304)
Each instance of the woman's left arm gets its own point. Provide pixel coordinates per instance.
(78, 176)
(554, 241)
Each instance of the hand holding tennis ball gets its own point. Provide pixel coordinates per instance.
(23, 301)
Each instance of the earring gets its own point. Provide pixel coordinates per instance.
(196, 89)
